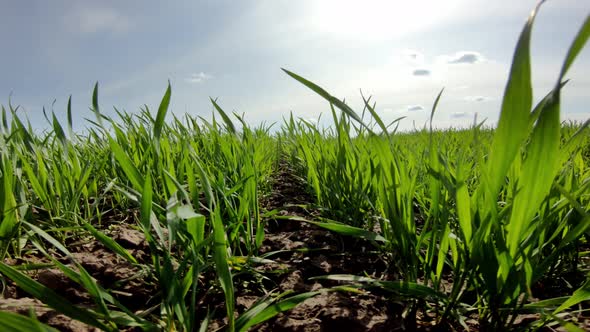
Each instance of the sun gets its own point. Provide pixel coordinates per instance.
(377, 19)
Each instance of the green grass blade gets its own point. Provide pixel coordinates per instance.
(221, 266)
(161, 116)
(95, 108)
(405, 288)
(575, 48)
(128, 167)
(69, 116)
(347, 230)
(333, 100)
(543, 158)
(110, 243)
(10, 322)
(580, 295)
(256, 316)
(514, 117)
(49, 297)
(59, 131)
(228, 123)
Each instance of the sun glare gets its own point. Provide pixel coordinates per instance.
(377, 19)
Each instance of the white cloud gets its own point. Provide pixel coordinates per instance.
(198, 78)
(458, 115)
(96, 19)
(477, 98)
(421, 72)
(466, 57)
(414, 108)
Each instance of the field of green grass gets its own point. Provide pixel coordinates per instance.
(194, 224)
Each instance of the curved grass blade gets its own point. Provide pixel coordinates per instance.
(264, 310)
(341, 229)
(580, 295)
(228, 123)
(514, 117)
(110, 243)
(128, 167)
(69, 115)
(333, 100)
(405, 288)
(543, 159)
(10, 322)
(161, 116)
(51, 298)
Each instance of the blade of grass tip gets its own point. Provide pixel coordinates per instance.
(26, 136)
(162, 110)
(376, 117)
(228, 123)
(95, 108)
(333, 100)
(69, 115)
(394, 122)
(575, 48)
(59, 131)
(580, 295)
(50, 297)
(434, 106)
(45, 115)
(4, 119)
(515, 112)
(542, 161)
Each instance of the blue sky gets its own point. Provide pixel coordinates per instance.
(400, 52)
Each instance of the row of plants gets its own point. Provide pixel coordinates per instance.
(495, 212)
(195, 185)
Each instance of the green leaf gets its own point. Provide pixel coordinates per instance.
(59, 131)
(10, 322)
(51, 298)
(340, 228)
(405, 288)
(159, 123)
(110, 243)
(580, 295)
(221, 266)
(514, 117)
(264, 310)
(575, 48)
(228, 123)
(127, 165)
(69, 115)
(333, 100)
